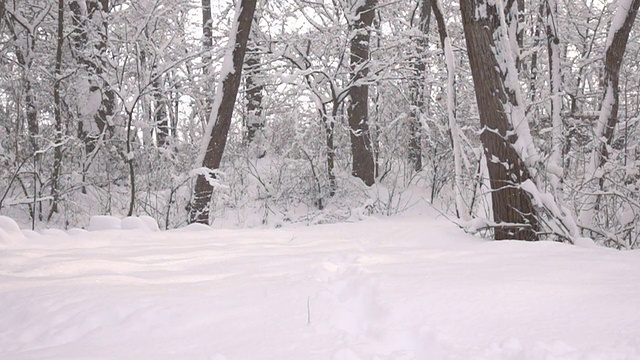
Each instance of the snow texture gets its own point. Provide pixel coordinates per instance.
(408, 287)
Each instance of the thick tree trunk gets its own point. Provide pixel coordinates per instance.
(88, 20)
(220, 120)
(362, 165)
(513, 210)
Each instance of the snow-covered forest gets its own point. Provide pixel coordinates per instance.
(312, 111)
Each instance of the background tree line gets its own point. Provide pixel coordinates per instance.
(517, 117)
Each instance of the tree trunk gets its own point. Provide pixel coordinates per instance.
(362, 165)
(487, 42)
(616, 46)
(161, 116)
(91, 62)
(253, 92)
(533, 77)
(461, 207)
(418, 87)
(514, 17)
(555, 167)
(57, 107)
(220, 120)
(614, 52)
(207, 46)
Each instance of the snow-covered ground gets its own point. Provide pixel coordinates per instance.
(401, 288)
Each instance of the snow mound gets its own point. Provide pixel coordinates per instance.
(133, 223)
(7, 224)
(76, 231)
(5, 238)
(54, 232)
(104, 222)
(150, 222)
(30, 234)
(11, 232)
(585, 242)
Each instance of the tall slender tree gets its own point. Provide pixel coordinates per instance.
(454, 129)
(57, 111)
(418, 85)
(215, 138)
(615, 48)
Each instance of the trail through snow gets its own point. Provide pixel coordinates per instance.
(407, 287)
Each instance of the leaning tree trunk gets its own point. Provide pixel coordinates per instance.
(218, 127)
(487, 43)
(614, 51)
(362, 163)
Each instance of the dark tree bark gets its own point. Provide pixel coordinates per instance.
(363, 165)
(513, 210)
(207, 46)
(537, 32)
(24, 57)
(57, 103)
(514, 16)
(91, 59)
(220, 121)
(608, 118)
(254, 89)
(555, 84)
(418, 87)
(160, 115)
(611, 82)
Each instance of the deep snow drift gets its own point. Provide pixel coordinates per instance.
(407, 287)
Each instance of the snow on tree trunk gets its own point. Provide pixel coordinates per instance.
(362, 153)
(97, 99)
(207, 46)
(514, 16)
(254, 89)
(616, 45)
(502, 120)
(57, 110)
(418, 87)
(215, 138)
(509, 148)
(461, 207)
(555, 167)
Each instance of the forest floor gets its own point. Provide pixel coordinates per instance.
(411, 286)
